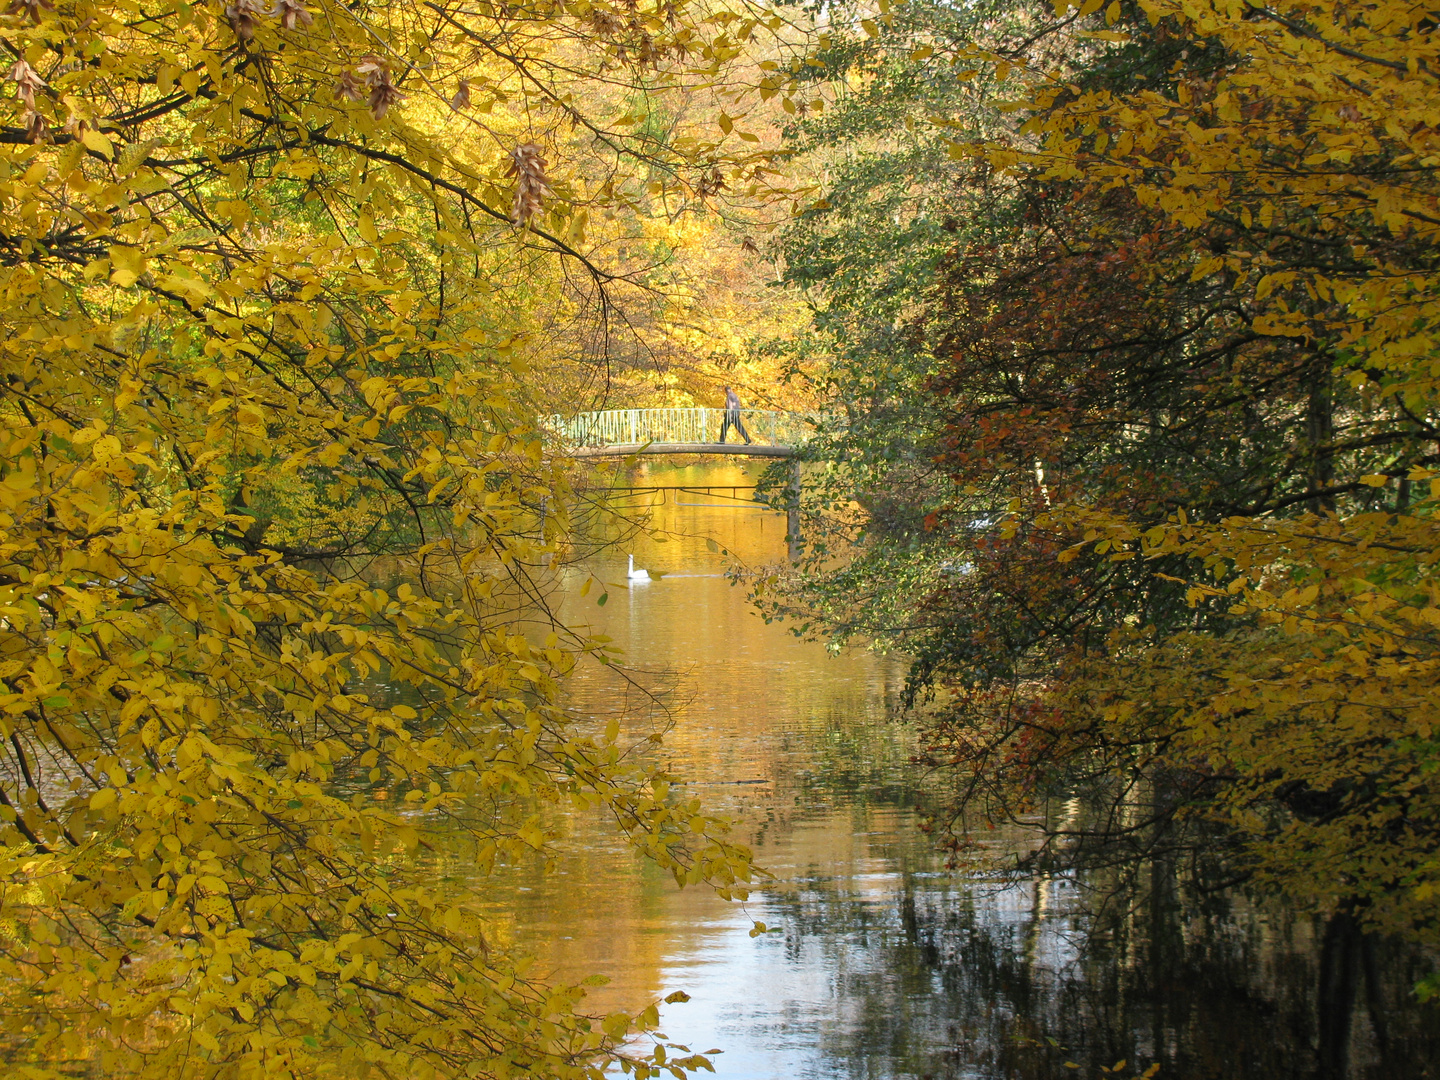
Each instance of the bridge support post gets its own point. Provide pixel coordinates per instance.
(792, 512)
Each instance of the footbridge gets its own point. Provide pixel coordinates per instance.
(625, 432)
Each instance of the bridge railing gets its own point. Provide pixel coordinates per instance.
(627, 427)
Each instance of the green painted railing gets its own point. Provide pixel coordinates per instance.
(631, 427)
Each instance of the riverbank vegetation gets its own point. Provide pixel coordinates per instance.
(1132, 310)
(285, 287)
(1126, 312)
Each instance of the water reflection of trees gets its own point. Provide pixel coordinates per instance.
(1017, 978)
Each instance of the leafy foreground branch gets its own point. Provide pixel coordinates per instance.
(266, 329)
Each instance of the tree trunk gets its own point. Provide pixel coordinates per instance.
(1320, 434)
(1335, 1005)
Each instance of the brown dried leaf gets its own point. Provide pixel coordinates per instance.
(245, 16)
(350, 87)
(27, 82)
(531, 184)
(33, 8)
(293, 13)
(374, 69)
(35, 126)
(382, 96)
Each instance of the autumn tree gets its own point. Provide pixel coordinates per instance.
(276, 282)
(892, 198)
(1266, 415)
(1179, 547)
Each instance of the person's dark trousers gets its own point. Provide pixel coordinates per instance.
(733, 417)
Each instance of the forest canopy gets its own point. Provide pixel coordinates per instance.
(1132, 311)
(278, 280)
(1126, 317)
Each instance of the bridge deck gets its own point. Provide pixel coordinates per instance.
(734, 449)
(623, 432)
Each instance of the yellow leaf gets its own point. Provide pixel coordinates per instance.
(126, 264)
(205, 1039)
(98, 141)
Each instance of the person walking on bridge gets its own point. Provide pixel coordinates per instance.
(732, 416)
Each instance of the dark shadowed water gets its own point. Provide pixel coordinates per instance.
(879, 962)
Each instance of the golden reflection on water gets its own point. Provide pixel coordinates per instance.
(795, 744)
(881, 964)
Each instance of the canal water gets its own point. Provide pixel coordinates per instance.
(878, 962)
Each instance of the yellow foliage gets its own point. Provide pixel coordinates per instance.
(270, 483)
(1317, 119)
(1313, 124)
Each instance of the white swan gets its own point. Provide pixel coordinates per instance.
(637, 575)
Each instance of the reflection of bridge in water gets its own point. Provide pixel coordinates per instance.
(623, 432)
(627, 432)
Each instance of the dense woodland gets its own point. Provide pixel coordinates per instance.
(1123, 319)
(1133, 332)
